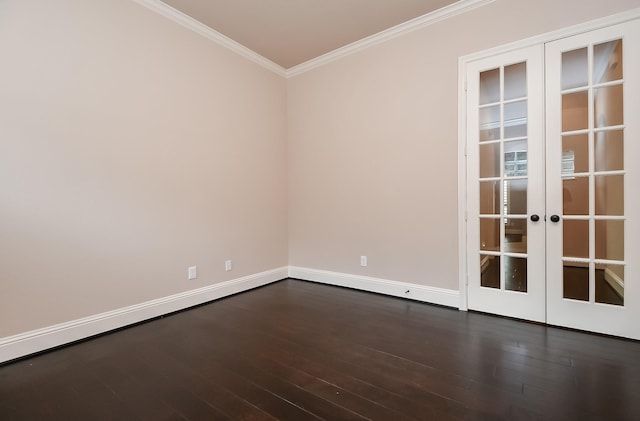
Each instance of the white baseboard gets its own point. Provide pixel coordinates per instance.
(616, 282)
(27, 343)
(441, 296)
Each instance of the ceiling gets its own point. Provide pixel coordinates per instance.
(291, 32)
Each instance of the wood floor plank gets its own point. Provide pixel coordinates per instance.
(347, 360)
(296, 350)
(324, 371)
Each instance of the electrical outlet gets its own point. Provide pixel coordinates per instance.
(227, 265)
(363, 260)
(193, 272)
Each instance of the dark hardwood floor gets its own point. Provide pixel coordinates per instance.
(300, 351)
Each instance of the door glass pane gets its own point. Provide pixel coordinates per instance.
(575, 68)
(490, 271)
(515, 81)
(607, 61)
(610, 284)
(610, 240)
(490, 160)
(515, 274)
(610, 195)
(490, 86)
(575, 196)
(490, 234)
(490, 194)
(575, 281)
(515, 119)
(490, 123)
(515, 197)
(575, 111)
(575, 238)
(608, 106)
(515, 236)
(609, 150)
(515, 158)
(575, 154)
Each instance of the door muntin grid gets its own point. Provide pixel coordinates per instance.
(503, 177)
(593, 173)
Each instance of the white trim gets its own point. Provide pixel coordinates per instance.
(420, 22)
(555, 35)
(616, 282)
(24, 344)
(415, 24)
(440, 296)
(215, 36)
(463, 61)
(462, 185)
(461, 6)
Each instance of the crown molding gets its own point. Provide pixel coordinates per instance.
(461, 6)
(420, 22)
(215, 36)
(568, 31)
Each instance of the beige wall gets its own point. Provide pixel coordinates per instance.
(373, 144)
(130, 149)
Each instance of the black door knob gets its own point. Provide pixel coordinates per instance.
(555, 218)
(535, 218)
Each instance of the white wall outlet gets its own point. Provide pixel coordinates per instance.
(363, 260)
(227, 265)
(193, 272)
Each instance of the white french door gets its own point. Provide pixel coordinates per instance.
(553, 203)
(593, 173)
(505, 185)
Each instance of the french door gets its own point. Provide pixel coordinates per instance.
(506, 257)
(553, 182)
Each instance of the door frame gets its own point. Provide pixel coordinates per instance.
(462, 120)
